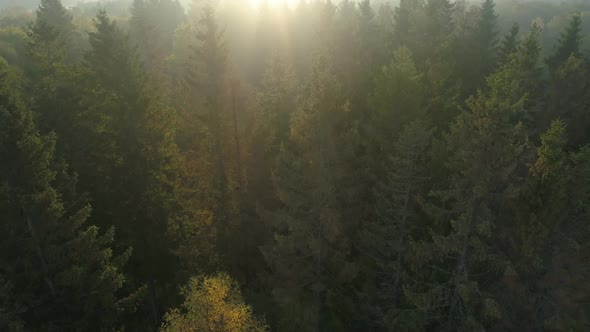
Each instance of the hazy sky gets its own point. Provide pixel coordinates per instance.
(68, 3)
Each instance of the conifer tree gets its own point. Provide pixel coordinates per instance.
(388, 238)
(545, 238)
(53, 14)
(50, 78)
(569, 43)
(407, 19)
(509, 45)
(487, 148)
(311, 224)
(58, 272)
(129, 162)
(526, 67)
(482, 48)
(152, 26)
(439, 24)
(207, 132)
(568, 99)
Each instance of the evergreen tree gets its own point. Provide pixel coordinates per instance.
(408, 20)
(487, 148)
(129, 162)
(526, 68)
(568, 99)
(569, 43)
(509, 45)
(482, 48)
(208, 127)
(395, 226)
(547, 230)
(152, 27)
(50, 81)
(53, 14)
(439, 25)
(311, 225)
(58, 273)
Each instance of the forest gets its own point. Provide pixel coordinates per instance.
(294, 165)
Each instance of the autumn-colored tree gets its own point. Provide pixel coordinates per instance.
(213, 304)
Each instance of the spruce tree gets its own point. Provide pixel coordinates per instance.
(388, 237)
(482, 48)
(129, 163)
(546, 238)
(509, 45)
(486, 151)
(311, 223)
(53, 14)
(152, 27)
(526, 67)
(569, 43)
(207, 132)
(58, 272)
(568, 99)
(407, 21)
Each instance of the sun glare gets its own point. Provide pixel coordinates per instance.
(272, 3)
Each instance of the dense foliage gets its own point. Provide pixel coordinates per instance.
(417, 165)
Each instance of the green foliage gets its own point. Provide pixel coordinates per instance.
(569, 43)
(57, 272)
(510, 44)
(486, 148)
(482, 47)
(354, 166)
(13, 47)
(152, 26)
(388, 238)
(311, 225)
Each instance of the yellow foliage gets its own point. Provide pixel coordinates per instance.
(213, 304)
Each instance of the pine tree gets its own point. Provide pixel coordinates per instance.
(152, 27)
(568, 99)
(311, 224)
(546, 238)
(482, 48)
(398, 95)
(526, 68)
(569, 43)
(50, 82)
(487, 148)
(207, 132)
(406, 21)
(53, 14)
(59, 273)
(129, 163)
(388, 237)
(510, 44)
(439, 25)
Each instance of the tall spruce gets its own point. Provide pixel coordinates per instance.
(482, 48)
(388, 238)
(131, 169)
(486, 151)
(310, 224)
(59, 272)
(569, 43)
(509, 44)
